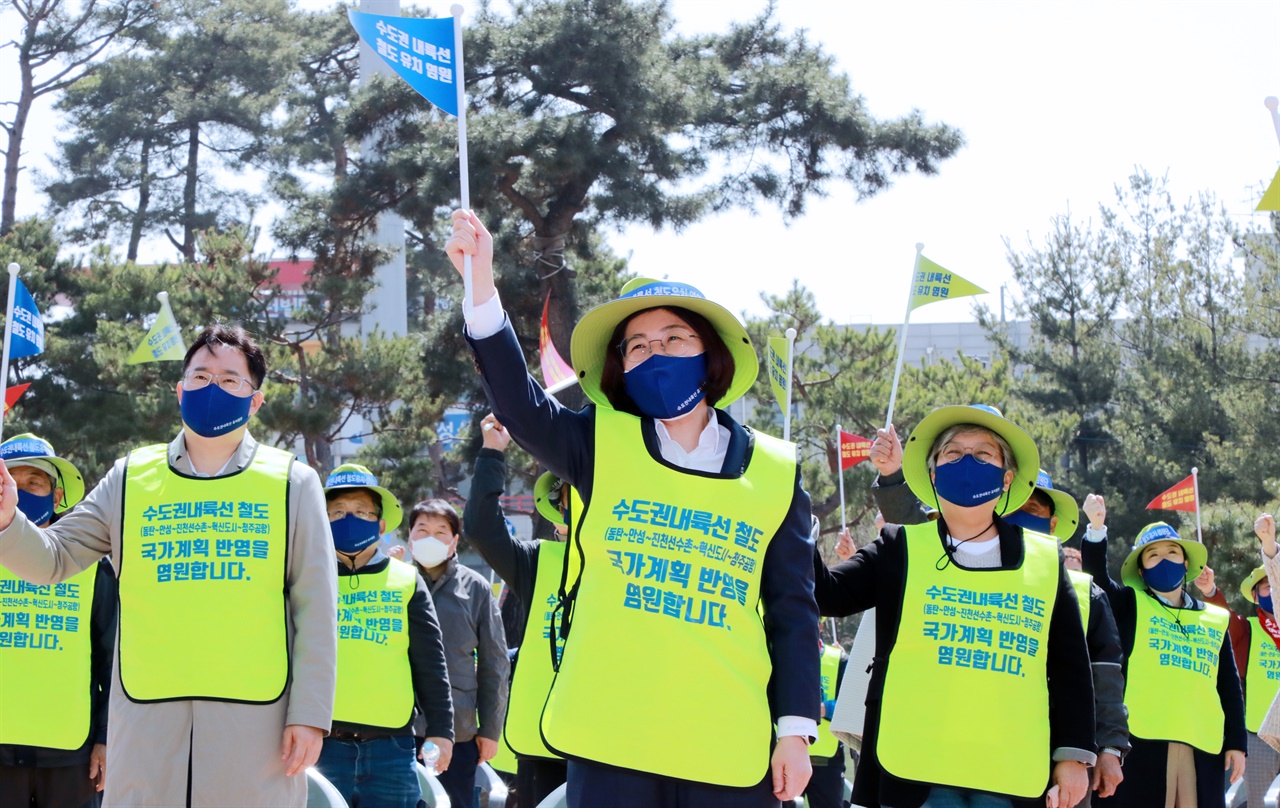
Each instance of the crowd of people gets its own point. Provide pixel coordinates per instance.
(211, 619)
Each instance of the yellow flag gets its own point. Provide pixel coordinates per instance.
(778, 378)
(933, 283)
(1271, 199)
(164, 341)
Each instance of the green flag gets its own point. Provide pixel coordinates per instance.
(1271, 198)
(933, 283)
(779, 379)
(164, 340)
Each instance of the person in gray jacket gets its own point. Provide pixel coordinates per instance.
(475, 645)
(1051, 512)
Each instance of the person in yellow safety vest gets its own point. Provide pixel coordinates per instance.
(826, 786)
(981, 662)
(227, 643)
(392, 676)
(1174, 644)
(475, 645)
(532, 571)
(53, 637)
(1255, 641)
(691, 523)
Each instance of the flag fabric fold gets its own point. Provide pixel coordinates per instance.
(27, 332)
(1181, 497)
(12, 395)
(853, 449)
(1271, 197)
(554, 369)
(420, 50)
(933, 283)
(163, 342)
(779, 380)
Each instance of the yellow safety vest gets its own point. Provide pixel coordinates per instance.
(46, 647)
(827, 744)
(202, 580)
(1262, 677)
(373, 647)
(665, 620)
(1176, 651)
(534, 669)
(1083, 584)
(970, 652)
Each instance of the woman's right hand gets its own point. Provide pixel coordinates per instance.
(470, 237)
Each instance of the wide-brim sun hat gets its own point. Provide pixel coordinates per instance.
(1064, 507)
(543, 490)
(591, 336)
(354, 475)
(1196, 554)
(1247, 585)
(915, 454)
(30, 447)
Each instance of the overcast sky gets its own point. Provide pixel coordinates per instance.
(1058, 100)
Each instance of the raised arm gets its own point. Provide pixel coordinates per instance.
(893, 496)
(483, 521)
(1093, 550)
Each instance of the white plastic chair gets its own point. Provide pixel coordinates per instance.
(556, 799)
(433, 794)
(321, 793)
(493, 789)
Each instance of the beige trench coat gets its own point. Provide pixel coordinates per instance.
(231, 752)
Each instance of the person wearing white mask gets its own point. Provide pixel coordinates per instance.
(475, 644)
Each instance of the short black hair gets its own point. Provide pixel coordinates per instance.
(231, 336)
(1044, 499)
(436, 507)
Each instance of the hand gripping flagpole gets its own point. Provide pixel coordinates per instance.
(8, 333)
(840, 473)
(902, 341)
(1195, 486)
(464, 182)
(791, 363)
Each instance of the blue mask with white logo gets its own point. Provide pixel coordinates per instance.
(1027, 521)
(212, 411)
(351, 534)
(1165, 576)
(666, 387)
(968, 482)
(38, 509)
(1264, 603)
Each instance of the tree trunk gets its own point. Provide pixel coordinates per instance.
(144, 200)
(189, 194)
(16, 131)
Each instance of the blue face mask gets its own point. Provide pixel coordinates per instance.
(36, 508)
(667, 386)
(1037, 524)
(1264, 601)
(1165, 576)
(351, 534)
(212, 411)
(969, 482)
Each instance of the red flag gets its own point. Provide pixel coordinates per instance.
(554, 369)
(12, 395)
(1181, 497)
(853, 450)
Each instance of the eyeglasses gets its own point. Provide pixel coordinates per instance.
(677, 342)
(229, 382)
(951, 453)
(337, 513)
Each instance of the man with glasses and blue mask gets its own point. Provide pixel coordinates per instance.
(58, 637)
(225, 663)
(391, 667)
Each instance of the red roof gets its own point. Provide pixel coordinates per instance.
(292, 273)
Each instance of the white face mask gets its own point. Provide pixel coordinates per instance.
(430, 552)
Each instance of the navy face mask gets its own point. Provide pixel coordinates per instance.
(969, 482)
(1027, 521)
(212, 411)
(1165, 576)
(38, 509)
(1264, 601)
(351, 534)
(666, 387)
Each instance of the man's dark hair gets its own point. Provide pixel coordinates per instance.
(436, 507)
(231, 336)
(334, 493)
(720, 365)
(1044, 499)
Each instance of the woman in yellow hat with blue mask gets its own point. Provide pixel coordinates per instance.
(1173, 644)
(671, 681)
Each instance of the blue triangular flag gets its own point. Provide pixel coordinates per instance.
(419, 49)
(27, 334)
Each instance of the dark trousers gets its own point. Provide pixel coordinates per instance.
(826, 786)
(596, 786)
(535, 779)
(376, 773)
(58, 787)
(459, 780)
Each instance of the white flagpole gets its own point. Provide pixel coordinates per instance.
(840, 475)
(902, 342)
(464, 181)
(8, 332)
(1195, 485)
(791, 361)
(834, 639)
